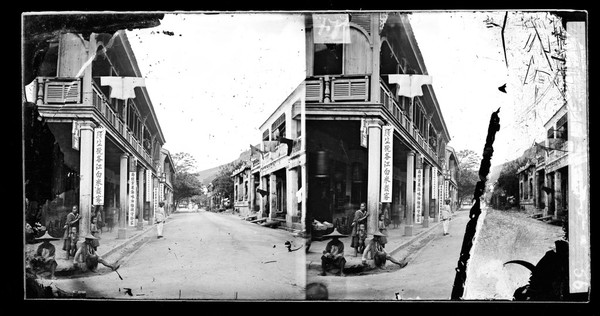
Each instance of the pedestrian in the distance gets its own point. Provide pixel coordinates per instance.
(446, 216)
(160, 219)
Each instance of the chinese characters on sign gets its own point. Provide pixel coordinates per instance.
(98, 178)
(161, 192)
(441, 200)
(132, 189)
(434, 182)
(148, 184)
(155, 198)
(364, 133)
(387, 163)
(419, 196)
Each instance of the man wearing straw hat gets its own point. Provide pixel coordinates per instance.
(86, 257)
(43, 259)
(333, 255)
(376, 251)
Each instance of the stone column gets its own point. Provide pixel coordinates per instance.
(86, 157)
(272, 195)
(264, 200)
(374, 175)
(123, 197)
(410, 202)
(558, 194)
(140, 198)
(150, 195)
(292, 189)
(426, 195)
(251, 193)
(549, 196)
(303, 176)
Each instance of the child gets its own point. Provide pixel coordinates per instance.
(382, 228)
(72, 243)
(362, 236)
(95, 232)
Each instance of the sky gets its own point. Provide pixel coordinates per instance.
(215, 78)
(218, 77)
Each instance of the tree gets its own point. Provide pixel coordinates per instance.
(507, 184)
(186, 184)
(222, 185)
(184, 162)
(468, 173)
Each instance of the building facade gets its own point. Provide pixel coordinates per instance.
(367, 141)
(278, 170)
(87, 143)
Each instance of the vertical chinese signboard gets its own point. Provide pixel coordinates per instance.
(419, 196)
(148, 184)
(132, 191)
(387, 164)
(434, 183)
(363, 133)
(161, 192)
(99, 156)
(441, 200)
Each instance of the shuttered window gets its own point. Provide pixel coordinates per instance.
(63, 92)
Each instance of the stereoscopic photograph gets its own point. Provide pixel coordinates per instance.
(288, 156)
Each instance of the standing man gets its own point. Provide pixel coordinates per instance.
(446, 216)
(160, 219)
(360, 217)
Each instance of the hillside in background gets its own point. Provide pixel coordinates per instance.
(208, 175)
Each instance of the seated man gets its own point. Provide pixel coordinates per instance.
(86, 257)
(377, 252)
(333, 255)
(43, 260)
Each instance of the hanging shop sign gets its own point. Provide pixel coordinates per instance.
(75, 135)
(148, 184)
(441, 200)
(387, 168)
(99, 157)
(419, 196)
(161, 192)
(434, 183)
(155, 198)
(132, 189)
(364, 133)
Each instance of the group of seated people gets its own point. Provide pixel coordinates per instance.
(85, 258)
(333, 255)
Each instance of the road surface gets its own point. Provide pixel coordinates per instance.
(206, 256)
(428, 276)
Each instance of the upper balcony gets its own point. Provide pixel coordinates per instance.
(58, 92)
(331, 89)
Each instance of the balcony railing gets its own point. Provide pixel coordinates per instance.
(389, 102)
(324, 89)
(100, 102)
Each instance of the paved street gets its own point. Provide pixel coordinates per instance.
(204, 256)
(428, 276)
